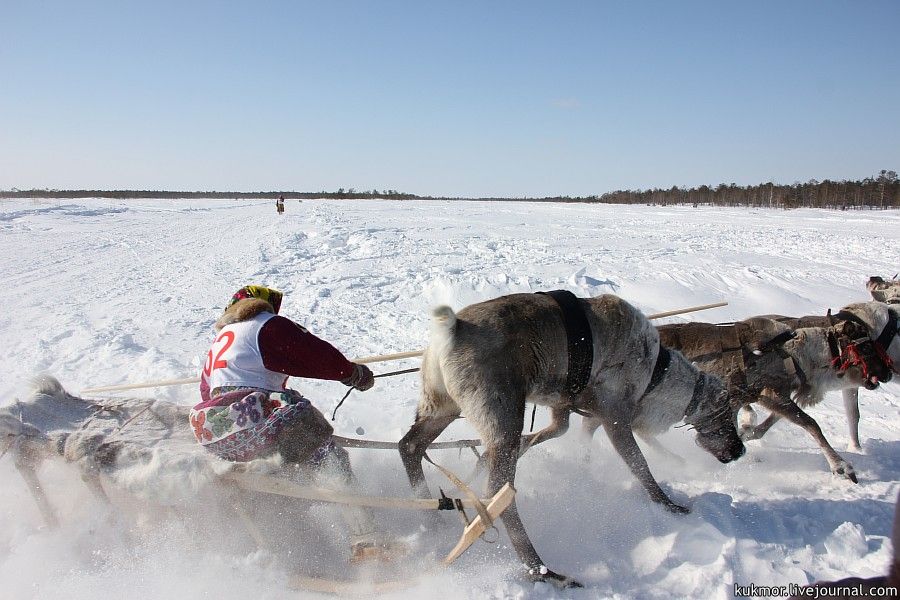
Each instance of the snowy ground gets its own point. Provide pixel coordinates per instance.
(102, 292)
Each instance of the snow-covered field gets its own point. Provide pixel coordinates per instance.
(101, 292)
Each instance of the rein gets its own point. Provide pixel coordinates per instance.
(390, 374)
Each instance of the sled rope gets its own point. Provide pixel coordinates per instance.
(391, 374)
(134, 416)
(473, 497)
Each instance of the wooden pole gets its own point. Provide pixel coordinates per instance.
(364, 360)
(137, 386)
(378, 445)
(274, 485)
(681, 311)
(386, 357)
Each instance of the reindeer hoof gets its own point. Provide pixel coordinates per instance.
(676, 508)
(846, 471)
(661, 498)
(749, 433)
(543, 574)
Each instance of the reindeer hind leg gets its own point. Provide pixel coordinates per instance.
(793, 413)
(415, 443)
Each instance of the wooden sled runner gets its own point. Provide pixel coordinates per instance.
(475, 528)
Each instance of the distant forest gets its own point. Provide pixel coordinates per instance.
(878, 192)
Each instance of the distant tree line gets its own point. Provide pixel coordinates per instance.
(880, 191)
(341, 193)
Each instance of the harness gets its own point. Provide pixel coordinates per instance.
(580, 341)
(663, 360)
(790, 362)
(886, 337)
(694, 404)
(880, 344)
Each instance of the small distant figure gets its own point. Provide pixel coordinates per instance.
(279, 205)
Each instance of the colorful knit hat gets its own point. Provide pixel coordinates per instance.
(272, 296)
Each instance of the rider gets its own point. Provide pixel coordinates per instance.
(247, 412)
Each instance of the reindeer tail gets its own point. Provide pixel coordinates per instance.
(46, 385)
(443, 317)
(443, 328)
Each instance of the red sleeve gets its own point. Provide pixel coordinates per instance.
(290, 349)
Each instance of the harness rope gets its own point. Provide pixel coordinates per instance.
(390, 374)
(448, 503)
(850, 355)
(884, 339)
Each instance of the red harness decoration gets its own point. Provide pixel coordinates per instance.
(848, 358)
(851, 357)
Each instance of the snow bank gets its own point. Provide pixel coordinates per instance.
(115, 292)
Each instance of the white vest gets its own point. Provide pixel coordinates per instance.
(235, 360)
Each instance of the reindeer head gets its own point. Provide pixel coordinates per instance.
(713, 414)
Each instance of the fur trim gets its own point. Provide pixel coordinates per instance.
(243, 310)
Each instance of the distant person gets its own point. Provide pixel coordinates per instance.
(279, 205)
(246, 412)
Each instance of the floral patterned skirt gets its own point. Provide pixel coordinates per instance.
(243, 424)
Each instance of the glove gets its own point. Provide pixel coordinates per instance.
(361, 378)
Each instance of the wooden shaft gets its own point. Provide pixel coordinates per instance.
(363, 360)
(187, 380)
(137, 386)
(386, 357)
(681, 311)
(281, 487)
(376, 445)
(500, 502)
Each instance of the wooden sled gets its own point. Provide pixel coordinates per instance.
(28, 452)
(91, 436)
(374, 582)
(474, 529)
(324, 585)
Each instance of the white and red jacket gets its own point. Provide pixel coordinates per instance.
(262, 351)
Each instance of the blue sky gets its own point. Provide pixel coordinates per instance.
(445, 98)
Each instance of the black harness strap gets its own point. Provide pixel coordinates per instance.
(580, 341)
(798, 370)
(833, 346)
(699, 386)
(663, 360)
(778, 340)
(890, 330)
(849, 316)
